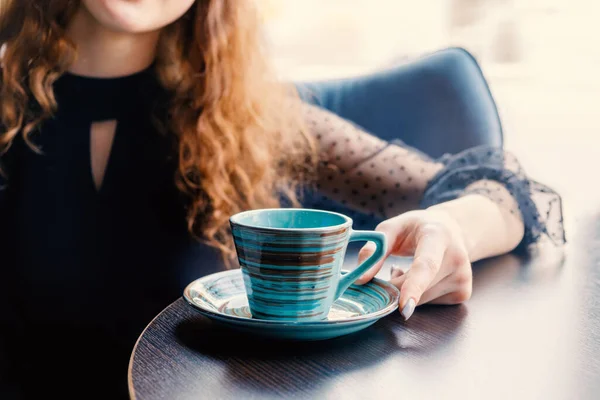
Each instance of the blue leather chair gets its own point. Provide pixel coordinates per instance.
(438, 104)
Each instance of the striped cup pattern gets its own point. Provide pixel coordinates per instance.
(290, 274)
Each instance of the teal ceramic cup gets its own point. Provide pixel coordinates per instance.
(291, 260)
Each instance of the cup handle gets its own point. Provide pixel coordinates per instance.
(370, 236)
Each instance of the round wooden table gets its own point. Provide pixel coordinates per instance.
(530, 331)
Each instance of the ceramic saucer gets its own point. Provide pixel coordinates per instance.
(222, 298)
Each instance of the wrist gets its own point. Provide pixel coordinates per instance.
(487, 229)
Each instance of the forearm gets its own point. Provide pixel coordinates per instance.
(489, 228)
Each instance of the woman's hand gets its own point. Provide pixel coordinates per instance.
(441, 270)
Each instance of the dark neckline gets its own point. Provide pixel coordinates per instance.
(99, 99)
(116, 79)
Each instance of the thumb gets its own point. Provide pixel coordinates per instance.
(364, 253)
(392, 228)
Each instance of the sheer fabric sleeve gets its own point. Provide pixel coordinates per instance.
(497, 174)
(370, 175)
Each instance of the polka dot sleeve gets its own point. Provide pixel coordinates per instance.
(496, 174)
(367, 174)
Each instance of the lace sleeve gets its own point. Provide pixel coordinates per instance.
(497, 174)
(365, 173)
(375, 177)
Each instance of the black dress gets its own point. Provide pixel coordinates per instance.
(85, 269)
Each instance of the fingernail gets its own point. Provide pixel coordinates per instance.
(395, 271)
(409, 309)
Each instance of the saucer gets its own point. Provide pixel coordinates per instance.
(222, 298)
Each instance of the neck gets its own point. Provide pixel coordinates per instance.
(103, 53)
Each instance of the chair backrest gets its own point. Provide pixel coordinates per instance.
(438, 104)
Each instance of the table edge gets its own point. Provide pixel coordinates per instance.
(133, 351)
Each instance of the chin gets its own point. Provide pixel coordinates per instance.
(136, 16)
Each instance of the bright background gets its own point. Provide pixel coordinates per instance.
(541, 58)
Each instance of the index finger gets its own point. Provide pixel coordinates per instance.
(429, 254)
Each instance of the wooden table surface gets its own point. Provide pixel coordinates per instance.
(530, 331)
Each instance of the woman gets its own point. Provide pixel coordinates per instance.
(132, 130)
